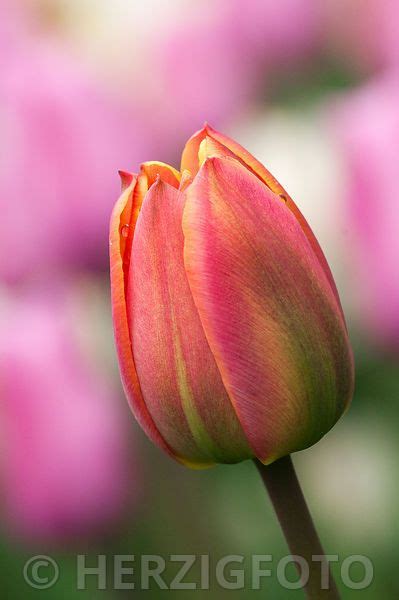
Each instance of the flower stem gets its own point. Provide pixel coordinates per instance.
(296, 522)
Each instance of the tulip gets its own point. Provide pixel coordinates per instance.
(61, 125)
(65, 466)
(366, 126)
(231, 338)
(234, 53)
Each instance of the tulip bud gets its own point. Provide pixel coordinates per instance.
(231, 339)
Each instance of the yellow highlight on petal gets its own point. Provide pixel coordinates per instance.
(203, 151)
(194, 465)
(186, 179)
(154, 169)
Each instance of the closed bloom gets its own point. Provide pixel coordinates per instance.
(230, 334)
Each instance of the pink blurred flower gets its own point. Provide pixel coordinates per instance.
(64, 136)
(64, 468)
(12, 26)
(363, 32)
(368, 129)
(275, 33)
(65, 132)
(212, 65)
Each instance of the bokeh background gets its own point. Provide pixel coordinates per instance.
(90, 86)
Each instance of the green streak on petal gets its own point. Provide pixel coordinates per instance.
(195, 423)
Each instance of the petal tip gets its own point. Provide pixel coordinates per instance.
(126, 179)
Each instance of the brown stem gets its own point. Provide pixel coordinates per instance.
(296, 522)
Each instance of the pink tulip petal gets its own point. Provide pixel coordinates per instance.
(121, 230)
(190, 161)
(126, 179)
(267, 308)
(189, 158)
(177, 372)
(154, 169)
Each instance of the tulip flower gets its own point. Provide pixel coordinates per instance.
(231, 339)
(234, 53)
(65, 467)
(366, 126)
(61, 125)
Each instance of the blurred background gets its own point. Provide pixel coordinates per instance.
(88, 87)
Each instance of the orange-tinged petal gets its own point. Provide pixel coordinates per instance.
(210, 147)
(178, 375)
(186, 179)
(191, 160)
(189, 157)
(122, 225)
(267, 308)
(126, 179)
(154, 169)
